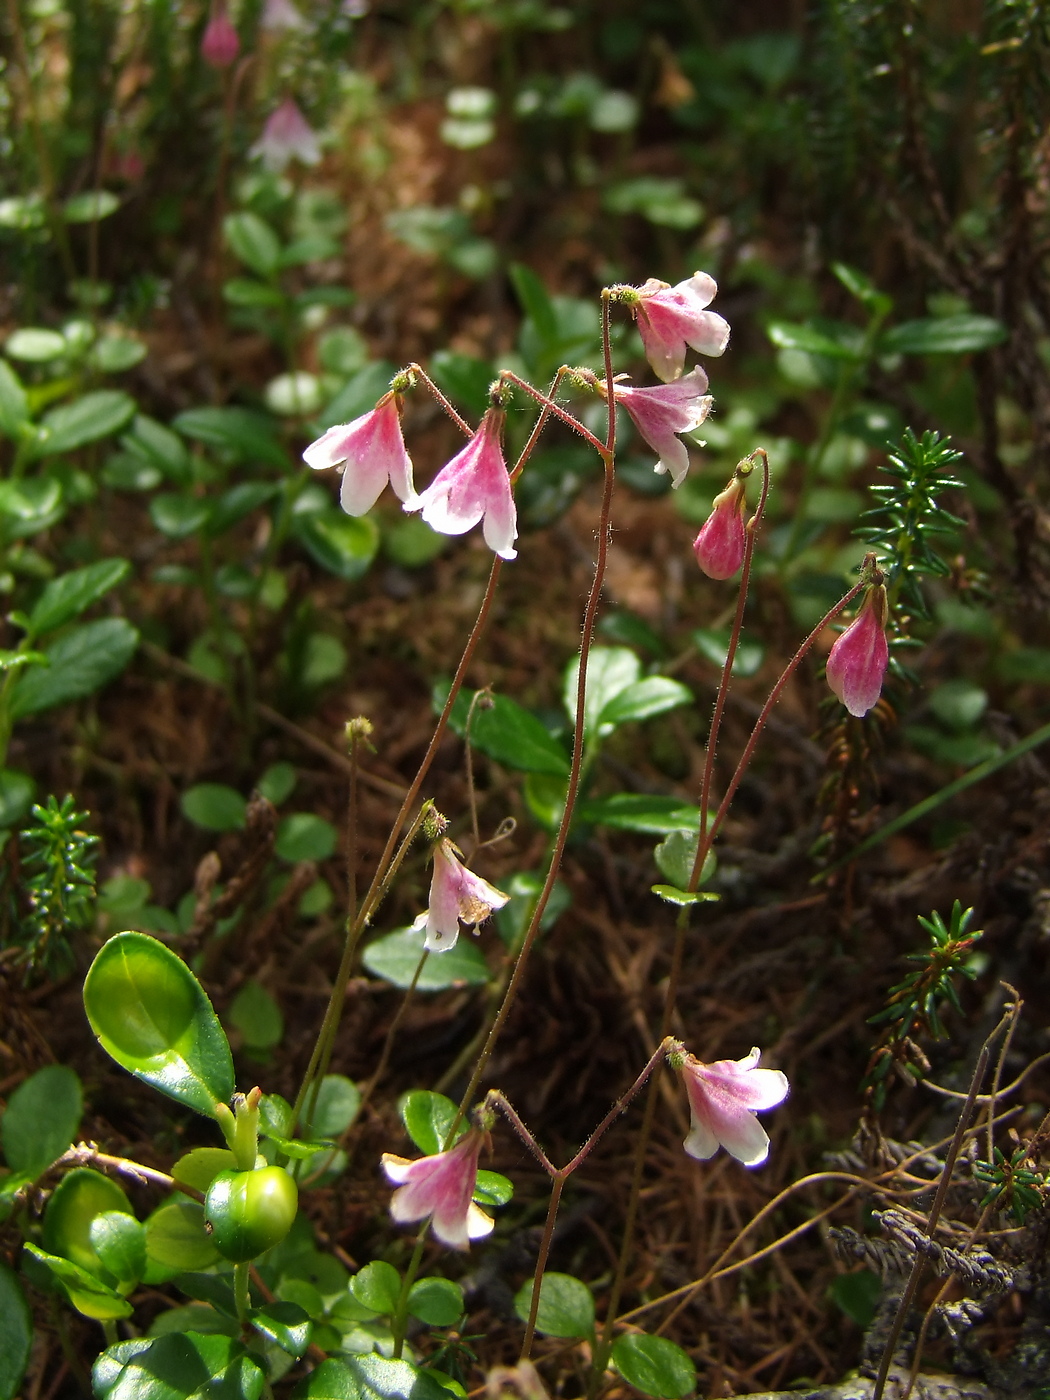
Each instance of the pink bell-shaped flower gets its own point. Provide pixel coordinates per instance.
(661, 412)
(670, 318)
(373, 451)
(281, 16)
(441, 1187)
(475, 486)
(719, 547)
(456, 894)
(723, 1100)
(220, 44)
(858, 659)
(287, 136)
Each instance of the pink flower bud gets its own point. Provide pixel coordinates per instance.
(858, 659)
(475, 486)
(723, 1100)
(442, 1187)
(220, 44)
(719, 547)
(670, 318)
(373, 451)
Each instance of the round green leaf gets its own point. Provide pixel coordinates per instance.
(78, 1198)
(35, 345)
(303, 836)
(215, 807)
(180, 1366)
(377, 1286)
(566, 1306)
(345, 545)
(654, 1366)
(959, 704)
(176, 1237)
(253, 241)
(437, 1301)
(89, 207)
(256, 1015)
(395, 959)
(16, 1334)
(338, 1102)
(428, 1117)
(292, 394)
(277, 783)
(119, 1240)
(200, 1167)
(85, 420)
(492, 1189)
(178, 516)
(41, 1119)
(115, 353)
(152, 1015)
(286, 1324)
(331, 1380)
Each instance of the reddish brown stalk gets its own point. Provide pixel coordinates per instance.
(556, 409)
(436, 393)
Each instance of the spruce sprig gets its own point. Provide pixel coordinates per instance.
(60, 891)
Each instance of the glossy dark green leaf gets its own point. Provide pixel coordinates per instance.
(27, 507)
(654, 1366)
(41, 1119)
(395, 959)
(152, 1015)
(506, 732)
(492, 1189)
(16, 1334)
(88, 1294)
(239, 501)
(156, 444)
(119, 1240)
(177, 1240)
(378, 1287)
(437, 1301)
(286, 1324)
(345, 545)
(181, 1366)
(943, 335)
(78, 1198)
(653, 695)
(210, 1288)
(248, 436)
(215, 807)
(833, 340)
(427, 1118)
(332, 1380)
(566, 1306)
(610, 670)
(109, 1363)
(380, 1379)
(69, 594)
(85, 420)
(80, 662)
(303, 836)
(337, 1105)
(253, 241)
(630, 811)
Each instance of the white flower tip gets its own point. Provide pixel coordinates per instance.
(395, 1167)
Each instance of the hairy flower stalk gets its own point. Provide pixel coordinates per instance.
(671, 318)
(372, 452)
(441, 1187)
(456, 895)
(475, 486)
(660, 413)
(858, 659)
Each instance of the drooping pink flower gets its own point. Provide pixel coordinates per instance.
(661, 412)
(475, 486)
(220, 44)
(723, 1100)
(670, 318)
(456, 894)
(858, 659)
(719, 547)
(287, 136)
(441, 1187)
(278, 15)
(373, 450)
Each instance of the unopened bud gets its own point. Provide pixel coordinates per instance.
(719, 547)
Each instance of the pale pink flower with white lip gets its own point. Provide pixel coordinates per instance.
(661, 412)
(287, 136)
(723, 1099)
(670, 318)
(858, 659)
(456, 894)
(441, 1187)
(219, 44)
(719, 547)
(373, 449)
(475, 486)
